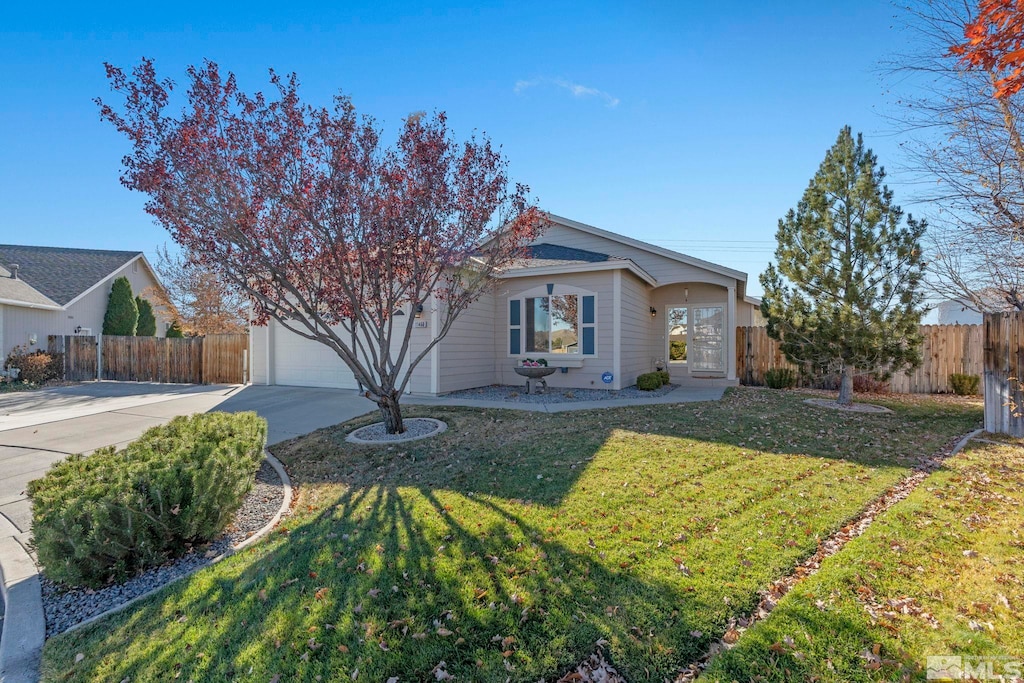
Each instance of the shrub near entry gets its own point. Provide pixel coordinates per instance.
(649, 381)
(109, 515)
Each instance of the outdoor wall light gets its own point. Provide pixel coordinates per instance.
(654, 312)
(419, 311)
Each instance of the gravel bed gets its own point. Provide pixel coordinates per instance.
(415, 428)
(66, 607)
(517, 394)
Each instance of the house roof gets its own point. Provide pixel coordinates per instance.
(542, 255)
(21, 293)
(645, 246)
(59, 274)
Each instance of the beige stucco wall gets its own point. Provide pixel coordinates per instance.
(21, 323)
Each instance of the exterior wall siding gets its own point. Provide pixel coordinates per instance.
(637, 328)
(586, 377)
(259, 372)
(467, 352)
(21, 323)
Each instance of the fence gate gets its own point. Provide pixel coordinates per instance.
(80, 357)
(1004, 363)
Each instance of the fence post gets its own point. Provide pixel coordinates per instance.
(99, 357)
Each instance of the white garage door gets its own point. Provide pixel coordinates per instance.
(301, 362)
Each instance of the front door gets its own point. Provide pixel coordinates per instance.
(707, 347)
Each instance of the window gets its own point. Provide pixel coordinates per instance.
(558, 324)
(677, 323)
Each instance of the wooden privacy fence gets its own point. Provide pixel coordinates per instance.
(79, 356)
(214, 359)
(947, 349)
(1004, 363)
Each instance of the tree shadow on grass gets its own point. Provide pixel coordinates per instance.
(510, 546)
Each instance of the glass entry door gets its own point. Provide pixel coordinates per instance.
(706, 352)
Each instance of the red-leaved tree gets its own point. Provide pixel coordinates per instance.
(329, 231)
(995, 43)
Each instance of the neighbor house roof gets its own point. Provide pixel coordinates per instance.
(60, 274)
(20, 293)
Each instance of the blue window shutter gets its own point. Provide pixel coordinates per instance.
(513, 313)
(588, 341)
(588, 311)
(513, 341)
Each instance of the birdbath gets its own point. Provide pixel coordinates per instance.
(537, 374)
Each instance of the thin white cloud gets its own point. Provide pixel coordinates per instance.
(576, 89)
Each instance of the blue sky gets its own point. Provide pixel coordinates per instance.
(691, 125)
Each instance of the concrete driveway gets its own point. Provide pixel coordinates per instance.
(40, 428)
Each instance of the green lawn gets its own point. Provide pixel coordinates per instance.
(941, 573)
(510, 545)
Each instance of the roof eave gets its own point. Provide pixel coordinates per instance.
(613, 264)
(29, 304)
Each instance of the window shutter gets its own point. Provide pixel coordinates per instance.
(588, 341)
(588, 310)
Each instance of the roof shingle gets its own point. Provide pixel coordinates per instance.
(59, 273)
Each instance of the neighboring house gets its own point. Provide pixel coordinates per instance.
(53, 290)
(597, 304)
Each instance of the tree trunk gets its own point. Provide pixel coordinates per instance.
(392, 414)
(846, 387)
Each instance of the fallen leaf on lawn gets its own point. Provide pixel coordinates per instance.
(263, 595)
(312, 575)
(731, 636)
(697, 634)
(419, 636)
(355, 673)
(384, 646)
(970, 553)
(319, 595)
(393, 679)
(343, 648)
(480, 593)
(79, 657)
(276, 678)
(871, 660)
(439, 672)
(373, 592)
(442, 631)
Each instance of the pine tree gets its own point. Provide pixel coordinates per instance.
(846, 296)
(147, 319)
(122, 315)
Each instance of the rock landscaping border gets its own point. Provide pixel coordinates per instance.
(154, 580)
(415, 428)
